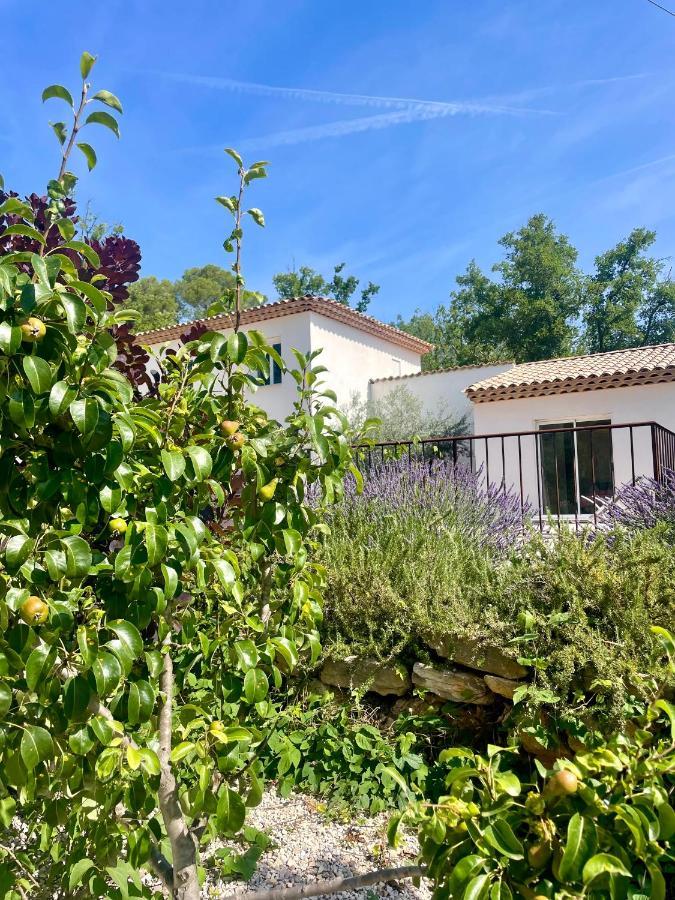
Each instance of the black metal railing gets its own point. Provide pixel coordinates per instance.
(560, 473)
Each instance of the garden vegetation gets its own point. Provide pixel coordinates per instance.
(165, 553)
(157, 578)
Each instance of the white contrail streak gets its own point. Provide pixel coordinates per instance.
(344, 127)
(442, 107)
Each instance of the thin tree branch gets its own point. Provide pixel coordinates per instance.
(12, 855)
(237, 261)
(73, 134)
(162, 868)
(157, 863)
(336, 885)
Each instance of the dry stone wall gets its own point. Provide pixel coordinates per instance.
(468, 671)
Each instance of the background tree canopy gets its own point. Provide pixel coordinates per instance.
(540, 304)
(203, 286)
(536, 302)
(155, 302)
(201, 291)
(305, 280)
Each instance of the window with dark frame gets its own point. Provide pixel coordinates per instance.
(577, 467)
(274, 374)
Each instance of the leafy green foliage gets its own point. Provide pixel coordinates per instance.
(525, 314)
(600, 825)
(203, 287)
(577, 612)
(305, 280)
(542, 305)
(626, 302)
(241, 865)
(320, 748)
(401, 415)
(155, 302)
(151, 601)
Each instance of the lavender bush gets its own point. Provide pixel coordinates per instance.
(427, 552)
(645, 504)
(440, 495)
(421, 548)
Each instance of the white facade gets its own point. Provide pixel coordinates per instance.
(620, 405)
(353, 358)
(442, 392)
(355, 349)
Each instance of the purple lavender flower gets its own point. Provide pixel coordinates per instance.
(440, 494)
(642, 505)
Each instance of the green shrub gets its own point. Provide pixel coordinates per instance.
(323, 749)
(416, 548)
(576, 610)
(157, 560)
(599, 826)
(584, 610)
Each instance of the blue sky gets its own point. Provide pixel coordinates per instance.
(404, 138)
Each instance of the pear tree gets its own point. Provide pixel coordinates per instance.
(158, 574)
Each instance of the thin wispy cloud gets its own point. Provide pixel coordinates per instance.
(547, 90)
(643, 167)
(345, 127)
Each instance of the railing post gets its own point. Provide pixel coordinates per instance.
(662, 449)
(539, 484)
(520, 478)
(655, 460)
(595, 511)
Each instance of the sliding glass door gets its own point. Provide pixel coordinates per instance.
(577, 468)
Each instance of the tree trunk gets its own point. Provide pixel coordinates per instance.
(185, 881)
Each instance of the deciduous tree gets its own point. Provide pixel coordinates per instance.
(529, 311)
(209, 289)
(155, 302)
(627, 302)
(157, 574)
(305, 280)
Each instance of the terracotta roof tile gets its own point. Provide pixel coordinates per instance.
(332, 309)
(499, 362)
(618, 368)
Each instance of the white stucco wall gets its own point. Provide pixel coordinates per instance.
(441, 392)
(644, 403)
(289, 331)
(353, 357)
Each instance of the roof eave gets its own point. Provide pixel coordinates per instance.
(320, 305)
(571, 385)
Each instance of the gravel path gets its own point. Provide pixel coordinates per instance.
(308, 847)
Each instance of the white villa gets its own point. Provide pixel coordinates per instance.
(564, 433)
(355, 348)
(595, 422)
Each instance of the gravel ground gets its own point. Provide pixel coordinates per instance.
(307, 847)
